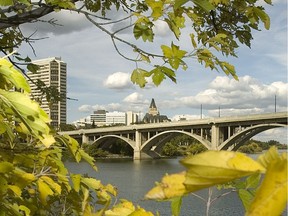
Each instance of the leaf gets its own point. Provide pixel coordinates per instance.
(53, 185)
(204, 4)
(176, 206)
(225, 166)
(138, 77)
(269, 156)
(33, 68)
(123, 208)
(44, 191)
(76, 179)
(174, 55)
(171, 186)
(6, 2)
(271, 197)
(16, 190)
(157, 8)
(13, 76)
(92, 183)
(246, 197)
(30, 114)
(6, 167)
(263, 16)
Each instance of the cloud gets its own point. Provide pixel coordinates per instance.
(66, 22)
(118, 80)
(247, 93)
(85, 108)
(134, 98)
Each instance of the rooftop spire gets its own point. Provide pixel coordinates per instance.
(153, 104)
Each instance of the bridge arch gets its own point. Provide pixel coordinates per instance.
(161, 139)
(101, 139)
(238, 139)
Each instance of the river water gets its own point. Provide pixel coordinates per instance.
(135, 178)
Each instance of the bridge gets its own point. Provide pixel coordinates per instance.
(223, 133)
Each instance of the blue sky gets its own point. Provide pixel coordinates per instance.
(100, 79)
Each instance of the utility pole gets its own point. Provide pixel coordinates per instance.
(275, 103)
(201, 111)
(219, 112)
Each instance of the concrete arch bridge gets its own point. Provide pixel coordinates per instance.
(225, 133)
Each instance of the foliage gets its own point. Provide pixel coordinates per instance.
(256, 146)
(94, 151)
(251, 148)
(182, 145)
(201, 172)
(214, 28)
(33, 177)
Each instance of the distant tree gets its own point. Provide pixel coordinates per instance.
(67, 127)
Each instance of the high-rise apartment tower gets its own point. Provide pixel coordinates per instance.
(52, 72)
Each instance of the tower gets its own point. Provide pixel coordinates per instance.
(153, 108)
(52, 72)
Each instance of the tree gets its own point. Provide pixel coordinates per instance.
(215, 27)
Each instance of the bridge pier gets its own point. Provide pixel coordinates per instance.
(215, 137)
(85, 138)
(137, 148)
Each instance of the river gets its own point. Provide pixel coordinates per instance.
(135, 178)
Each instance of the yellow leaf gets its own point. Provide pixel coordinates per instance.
(16, 190)
(122, 209)
(271, 197)
(270, 155)
(170, 186)
(76, 179)
(44, 191)
(216, 167)
(53, 185)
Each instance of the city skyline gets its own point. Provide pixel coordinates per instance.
(100, 79)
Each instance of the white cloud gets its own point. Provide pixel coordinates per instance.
(134, 98)
(247, 93)
(85, 108)
(118, 80)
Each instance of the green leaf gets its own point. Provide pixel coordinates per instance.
(30, 113)
(174, 55)
(157, 8)
(204, 4)
(6, 167)
(263, 16)
(143, 28)
(157, 76)
(6, 2)
(246, 197)
(179, 3)
(176, 206)
(138, 77)
(13, 76)
(33, 68)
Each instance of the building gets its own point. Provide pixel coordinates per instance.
(53, 73)
(153, 115)
(131, 118)
(103, 117)
(113, 118)
(98, 117)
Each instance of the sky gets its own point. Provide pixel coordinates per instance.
(99, 78)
